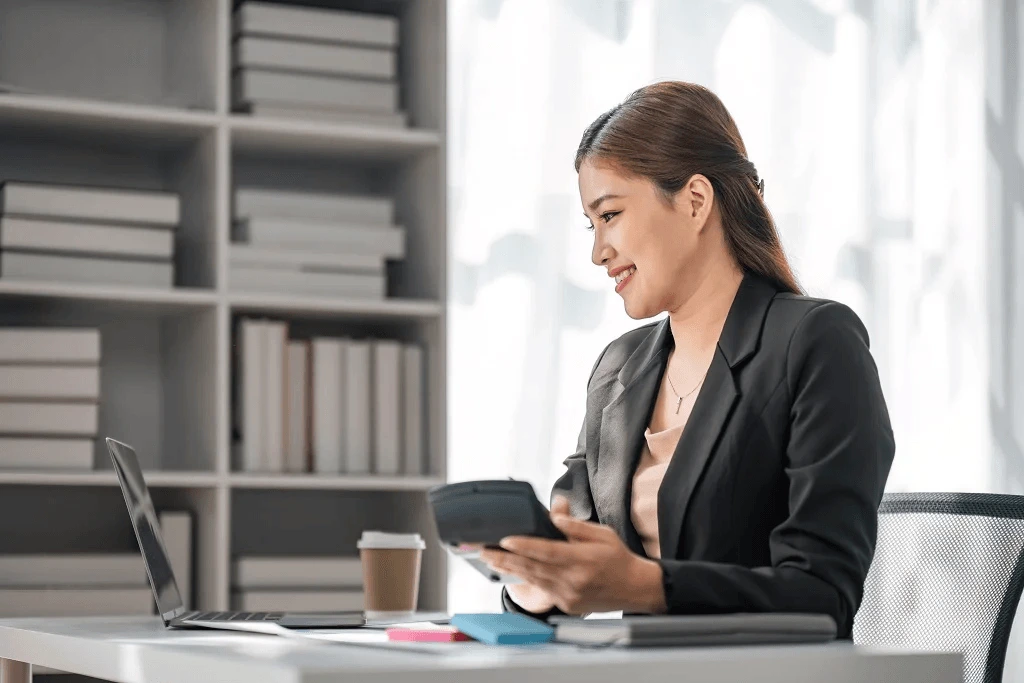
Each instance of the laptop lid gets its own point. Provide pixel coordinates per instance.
(147, 530)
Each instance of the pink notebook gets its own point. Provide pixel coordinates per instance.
(436, 634)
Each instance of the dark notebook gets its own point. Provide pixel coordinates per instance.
(709, 629)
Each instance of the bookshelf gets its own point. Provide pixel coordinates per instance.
(145, 103)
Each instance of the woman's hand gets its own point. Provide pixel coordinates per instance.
(593, 571)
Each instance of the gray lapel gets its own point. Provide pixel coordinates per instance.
(623, 422)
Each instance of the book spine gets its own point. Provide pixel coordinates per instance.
(315, 207)
(297, 572)
(327, 405)
(85, 270)
(75, 602)
(413, 410)
(275, 338)
(251, 393)
(357, 407)
(50, 382)
(41, 235)
(329, 25)
(298, 409)
(284, 110)
(51, 418)
(315, 58)
(352, 285)
(297, 600)
(49, 345)
(387, 439)
(351, 93)
(46, 454)
(367, 240)
(81, 570)
(246, 256)
(69, 201)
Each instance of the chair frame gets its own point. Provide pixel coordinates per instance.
(976, 505)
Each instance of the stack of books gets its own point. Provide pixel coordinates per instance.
(315, 244)
(92, 584)
(49, 397)
(328, 405)
(316, 64)
(99, 236)
(272, 584)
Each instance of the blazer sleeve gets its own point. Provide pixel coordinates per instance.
(838, 457)
(573, 485)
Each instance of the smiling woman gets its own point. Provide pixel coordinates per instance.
(733, 454)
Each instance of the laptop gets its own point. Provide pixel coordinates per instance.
(161, 578)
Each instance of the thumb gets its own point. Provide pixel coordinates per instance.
(560, 505)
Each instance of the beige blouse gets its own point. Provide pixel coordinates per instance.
(650, 471)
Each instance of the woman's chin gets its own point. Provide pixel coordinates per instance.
(639, 310)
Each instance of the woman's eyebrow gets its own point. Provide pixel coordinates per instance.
(597, 202)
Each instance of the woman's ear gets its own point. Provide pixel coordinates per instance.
(695, 199)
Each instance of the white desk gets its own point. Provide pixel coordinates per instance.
(141, 650)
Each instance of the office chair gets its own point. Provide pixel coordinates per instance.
(947, 575)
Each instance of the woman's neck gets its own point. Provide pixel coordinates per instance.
(697, 324)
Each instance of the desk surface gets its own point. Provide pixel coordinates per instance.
(141, 650)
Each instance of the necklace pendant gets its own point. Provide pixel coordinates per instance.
(679, 404)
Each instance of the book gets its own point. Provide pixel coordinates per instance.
(297, 600)
(249, 393)
(273, 109)
(49, 345)
(33, 234)
(413, 403)
(328, 402)
(50, 382)
(278, 258)
(176, 529)
(317, 58)
(328, 25)
(84, 570)
(75, 602)
(426, 633)
(45, 454)
(319, 91)
(85, 270)
(89, 203)
(387, 424)
(275, 343)
(297, 572)
(51, 418)
(697, 630)
(509, 628)
(297, 450)
(358, 424)
(345, 238)
(317, 207)
(341, 285)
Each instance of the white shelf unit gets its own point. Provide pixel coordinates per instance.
(135, 93)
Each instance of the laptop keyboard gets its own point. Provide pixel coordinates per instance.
(236, 616)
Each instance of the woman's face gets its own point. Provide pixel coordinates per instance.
(649, 245)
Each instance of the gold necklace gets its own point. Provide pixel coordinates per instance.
(679, 402)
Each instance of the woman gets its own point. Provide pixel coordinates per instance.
(733, 454)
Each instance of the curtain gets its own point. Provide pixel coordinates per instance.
(890, 134)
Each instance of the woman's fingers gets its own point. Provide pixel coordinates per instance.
(536, 573)
(579, 529)
(540, 549)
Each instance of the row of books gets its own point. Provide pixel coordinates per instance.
(269, 583)
(93, 584)
(313, 243)
(328, 405)
(316, 64)
(87, 235)
(49, 397)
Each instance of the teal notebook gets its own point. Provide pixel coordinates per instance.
(503, 629)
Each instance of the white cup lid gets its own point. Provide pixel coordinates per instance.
(386, 540)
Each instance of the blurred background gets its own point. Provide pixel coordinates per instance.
(891, 137)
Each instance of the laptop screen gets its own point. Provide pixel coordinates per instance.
(147, 529)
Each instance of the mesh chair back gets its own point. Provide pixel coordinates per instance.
(947, 575)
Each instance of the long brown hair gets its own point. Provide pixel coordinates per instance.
(668, 132)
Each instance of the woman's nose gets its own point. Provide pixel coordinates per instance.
(602, 252)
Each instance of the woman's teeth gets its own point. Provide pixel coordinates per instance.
(624, 274)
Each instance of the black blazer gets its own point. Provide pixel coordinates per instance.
(770, 501)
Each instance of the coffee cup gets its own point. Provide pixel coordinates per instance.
(391, 573)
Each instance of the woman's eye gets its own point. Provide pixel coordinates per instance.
(609, 215)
